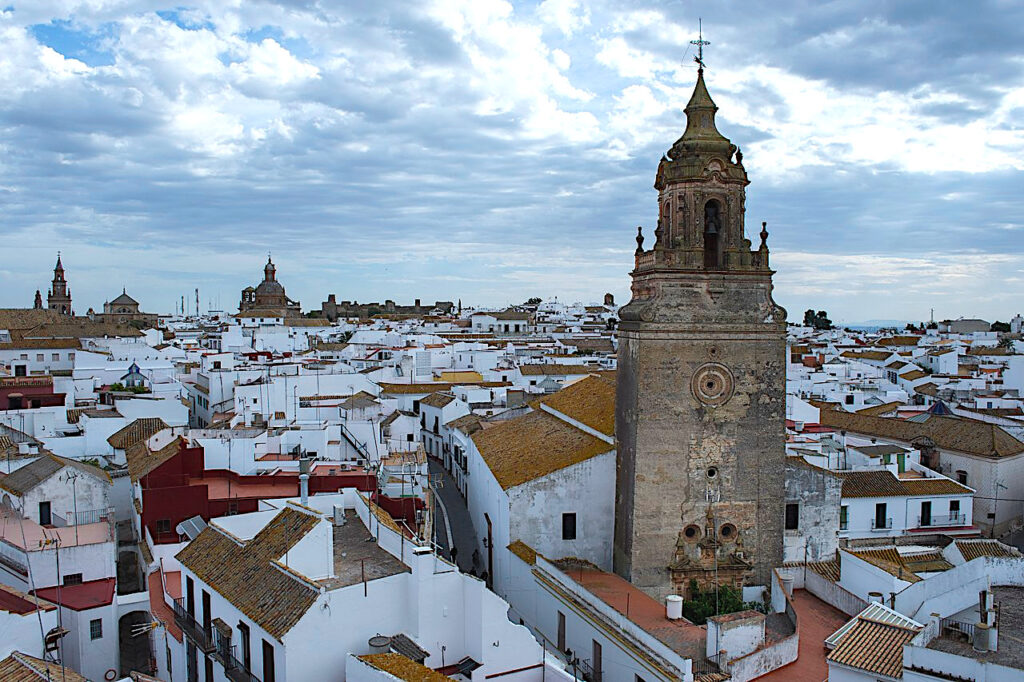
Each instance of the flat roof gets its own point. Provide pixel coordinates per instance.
(682, 636)
(1011, 633)
(34, 534)
(87, 595)
(356, 556)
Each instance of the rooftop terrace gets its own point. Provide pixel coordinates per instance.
(356, 558)
(1011, 633)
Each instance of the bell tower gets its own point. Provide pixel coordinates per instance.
(700, 410)
(59, 296)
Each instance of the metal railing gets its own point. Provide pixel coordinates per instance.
(881, 524)
(359, 445)
(958, 519)
(224, 651)
(91, 516)
(587, 671)
(195, 631)
(956, 629)
(712, 664)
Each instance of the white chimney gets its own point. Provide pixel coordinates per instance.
(304, 480)
(673, 607)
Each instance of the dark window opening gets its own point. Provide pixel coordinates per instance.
(163, 526)
(268, 662)
(96, 629)
(243, 643)
(73, 579)
(881, 521)
(792, 516)
(569, 526)
(561, 631)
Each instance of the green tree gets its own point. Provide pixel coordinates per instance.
(705, 603)
(533, 301)
(998, 326)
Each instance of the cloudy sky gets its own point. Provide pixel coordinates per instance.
(491, 150)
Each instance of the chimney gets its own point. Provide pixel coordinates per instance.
(986, 634)
(304, 480)
(673, 607)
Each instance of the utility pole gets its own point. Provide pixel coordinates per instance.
(73, 477)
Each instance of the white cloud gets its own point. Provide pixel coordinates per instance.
(568, 16)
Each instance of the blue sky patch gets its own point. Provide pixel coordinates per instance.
(87, 46)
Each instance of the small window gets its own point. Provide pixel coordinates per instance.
(561, 631)
(96, 629)
(844, 517)
(408, 437)
(55, 357)
(71, 358)
(961, 477)
(163, 526)
(569, 526)
(39, 357)
(849, 400)
(73, 579)
(727, 531)
(792, 516)
(692, 532)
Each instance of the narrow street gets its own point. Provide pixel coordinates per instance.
(452, 517)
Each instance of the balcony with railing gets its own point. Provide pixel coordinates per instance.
(195, 631)
(881, 524)
(587, 671)
(942, 520)
(224, 652)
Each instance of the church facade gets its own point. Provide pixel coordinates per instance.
(700, 405)
(268, 298)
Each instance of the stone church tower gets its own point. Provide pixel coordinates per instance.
(701, 382)
(59, 296)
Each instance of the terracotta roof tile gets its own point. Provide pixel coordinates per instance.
(554, 370)
(140, 429)
(590, 401)
(19, 667)
(523, 551)
(948, 433)
(248, 575)
(874, 647)
(142, 460)
(403, 668)
(534, 445)
(972, 549)
(882, 483)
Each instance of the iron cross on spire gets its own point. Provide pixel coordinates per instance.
(700, 43)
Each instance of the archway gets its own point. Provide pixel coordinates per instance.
(713, 234)
(135, 643)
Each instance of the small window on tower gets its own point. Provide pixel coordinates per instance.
(792, 516)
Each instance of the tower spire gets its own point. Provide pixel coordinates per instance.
(700, 43)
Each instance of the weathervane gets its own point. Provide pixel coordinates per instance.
(700, 43)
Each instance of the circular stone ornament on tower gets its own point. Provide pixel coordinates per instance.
(712, 384)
